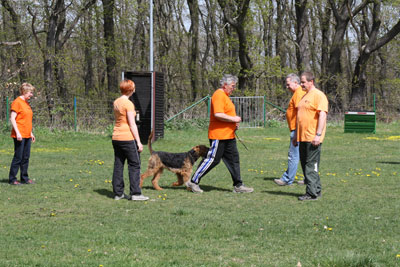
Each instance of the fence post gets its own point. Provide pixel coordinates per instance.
(75, 126)
(208, 107)
(264, 111)
(7, 118)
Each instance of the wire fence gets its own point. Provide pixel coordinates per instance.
(83, 114)
(77, 114)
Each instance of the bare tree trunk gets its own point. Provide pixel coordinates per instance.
(302, 50)
(111, 61)
(88, 32)
(19, 37)
(324, 15)
(194, 47)
(237, 20)
(279, 39)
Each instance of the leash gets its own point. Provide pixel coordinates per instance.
(237, 137)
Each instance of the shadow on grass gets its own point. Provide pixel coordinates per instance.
(270, 178)
(105, 192)
(205, 188)
(388, 162)
(4, 181)
(282, 193)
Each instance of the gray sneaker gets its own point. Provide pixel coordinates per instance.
(280, 182)
(242, 189)
(300, 182)
(139, 197)
(195, 188)
(116, 197)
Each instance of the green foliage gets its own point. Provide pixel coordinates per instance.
(187, 124)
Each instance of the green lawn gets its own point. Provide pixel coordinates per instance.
(69, 218)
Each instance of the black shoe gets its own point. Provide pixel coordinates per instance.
(307, 197)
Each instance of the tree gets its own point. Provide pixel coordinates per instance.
(19, 38)
(302, 50)
(342, 13)
(56, 36)
(359, 81)
(194, 46)
(111, 61)
(235, 13)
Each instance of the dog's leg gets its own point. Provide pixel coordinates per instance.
(186, 176)
(156, 178)
(145, 175)
(180, 180)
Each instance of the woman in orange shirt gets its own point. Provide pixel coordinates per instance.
(21, 120)
(126, 144)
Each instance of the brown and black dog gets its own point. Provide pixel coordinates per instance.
(179, 163)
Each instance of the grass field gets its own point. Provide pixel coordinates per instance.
(69, 217)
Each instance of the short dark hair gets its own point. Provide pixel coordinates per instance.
(309, 76)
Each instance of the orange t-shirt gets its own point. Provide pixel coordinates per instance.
(122, 131)
(291, 112)
(23, 119)
(221, 130)
(308, 113)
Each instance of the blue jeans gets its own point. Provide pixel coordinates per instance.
(20, 161)
(293, 161)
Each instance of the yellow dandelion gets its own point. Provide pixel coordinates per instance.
(43, 246)
(165, 195)
(70, 180)
(76, 185)
(89, 250)
(53, 214)
(101, 265)
(106, 181)
(159, 196)
(329, 229)
(398, 256)
(163, 198)
(393, 138)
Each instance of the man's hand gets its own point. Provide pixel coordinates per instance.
(316, 141)
(294, 140)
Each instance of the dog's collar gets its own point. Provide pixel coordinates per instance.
(192, 156)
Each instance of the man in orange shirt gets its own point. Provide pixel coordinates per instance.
(293, 84)
(221, 133)
(311, 127)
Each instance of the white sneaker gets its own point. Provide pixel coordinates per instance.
(139, 197)
(194, 187)
(242, 189)
(119, 197)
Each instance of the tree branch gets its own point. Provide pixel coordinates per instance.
(10, 43)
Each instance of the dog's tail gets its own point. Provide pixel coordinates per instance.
(149, 141)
